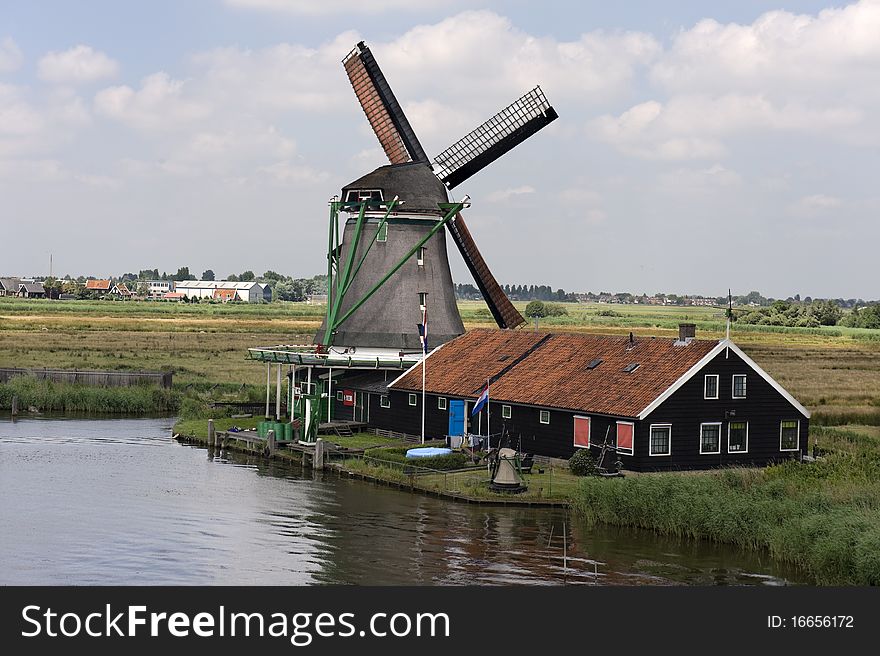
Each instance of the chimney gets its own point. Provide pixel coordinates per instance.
(686, 332)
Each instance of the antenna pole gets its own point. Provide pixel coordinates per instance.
(729, 314)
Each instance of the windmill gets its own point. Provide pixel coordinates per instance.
(390, 261)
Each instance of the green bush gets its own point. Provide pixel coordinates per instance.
(582, 463)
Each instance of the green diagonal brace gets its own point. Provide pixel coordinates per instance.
(451, 210)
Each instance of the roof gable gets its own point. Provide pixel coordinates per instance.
(693, 371)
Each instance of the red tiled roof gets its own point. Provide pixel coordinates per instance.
(550, 369)
(100, 285)
(225, 294)
(173, 295)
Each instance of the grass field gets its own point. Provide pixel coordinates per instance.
(834, 371)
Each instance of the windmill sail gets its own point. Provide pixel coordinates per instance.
(505, 315)
(504, 131)
(381, 107)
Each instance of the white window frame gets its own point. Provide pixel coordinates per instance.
(541, 414)
(420, 258)
(633, 449)
(728, 437)
(798, 444)
(506, 412)
(382, 232)
(441, 403)
(384, 401)
(339, 395)
(733, 386)
(710, 423)
(650, 443)
(423, 299)
(413, 399)
(717, 378)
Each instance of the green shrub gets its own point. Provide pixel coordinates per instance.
(454, 460)
(582, 463)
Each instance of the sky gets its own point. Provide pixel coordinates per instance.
(699, 146)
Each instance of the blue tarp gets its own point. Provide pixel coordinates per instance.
(427, 452)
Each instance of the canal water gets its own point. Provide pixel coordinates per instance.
(117, 502)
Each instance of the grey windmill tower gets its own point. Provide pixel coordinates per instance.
(389, 262)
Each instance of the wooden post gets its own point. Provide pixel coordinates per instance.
(270, 442)
(318, 460)
(14, 406)
(212, 435)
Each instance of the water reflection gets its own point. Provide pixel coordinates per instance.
(118, 502)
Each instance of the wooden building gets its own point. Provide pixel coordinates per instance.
(665, 403)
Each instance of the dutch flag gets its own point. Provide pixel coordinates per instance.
(482, 400)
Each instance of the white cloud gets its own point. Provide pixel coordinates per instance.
(159, 104)
(779, 51)
(814, 204)
(10, 55)
(694, 126)
(698, 180)
(79, 64)
(504, 195)
(324, 7)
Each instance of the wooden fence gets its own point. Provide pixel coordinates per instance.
(92, 378)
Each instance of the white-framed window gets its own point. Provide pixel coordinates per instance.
(738, 437)
(338, 395)
(383, 232)
(582, 432)
(441, 403)
(506, 412)
(626, 437)
(660, 440)
(544, 416)
(413, 399)
(420, 258)
(789, 435)
(710, 437)
(423, 299)
(384, 401)
(739, 386)
(710, 386)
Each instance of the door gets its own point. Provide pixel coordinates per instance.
(456, 417)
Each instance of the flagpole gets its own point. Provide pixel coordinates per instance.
(488, 425)
(423, 395)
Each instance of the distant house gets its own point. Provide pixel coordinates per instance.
(99, 286)
(9, 286)
(225, 295)
(313, 299)
(120, 289)
(31, 290)
(173, 296)
(158, 288)
(249, 292)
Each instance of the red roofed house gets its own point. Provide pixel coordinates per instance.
(173, 296)
(120, 289)
(664, 403)
(100, 286)
(225, 295)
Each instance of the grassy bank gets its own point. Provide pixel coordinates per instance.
(822, 516)
(47, 396)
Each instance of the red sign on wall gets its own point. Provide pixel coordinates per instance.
(347, 397)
